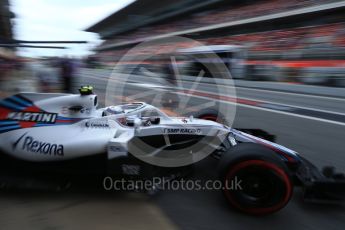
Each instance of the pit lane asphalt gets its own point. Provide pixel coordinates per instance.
(320, 142)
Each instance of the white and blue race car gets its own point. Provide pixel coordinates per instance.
(56, 138)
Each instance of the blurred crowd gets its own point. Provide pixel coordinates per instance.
(37, 75)
(323, 36)
(304, 49)
(328, 36)
(14, 76)
(216, 16)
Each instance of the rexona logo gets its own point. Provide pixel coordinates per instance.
(33, 117)
(34, 146)
(182, 131)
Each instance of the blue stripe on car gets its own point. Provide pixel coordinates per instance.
(11, 105)
(21, 101)
(7, 128)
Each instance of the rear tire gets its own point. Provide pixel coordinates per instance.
(264, 182)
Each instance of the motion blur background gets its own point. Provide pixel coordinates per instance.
(287, 59)
(282, 41)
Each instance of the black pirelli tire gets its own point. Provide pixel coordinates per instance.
(255, 180)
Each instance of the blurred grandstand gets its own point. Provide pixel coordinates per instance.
(299, 41)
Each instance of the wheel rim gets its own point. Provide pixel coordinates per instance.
(266, 188)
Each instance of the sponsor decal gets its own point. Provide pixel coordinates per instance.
(100, 124)
(14, 145)
(31, 145)
(49, 118)
(181, 131)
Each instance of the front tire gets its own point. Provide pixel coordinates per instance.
(264, 183)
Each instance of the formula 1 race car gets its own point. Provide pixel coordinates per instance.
(46, 137)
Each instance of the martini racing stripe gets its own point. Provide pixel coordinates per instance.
(6, 123)
(20, 100)
(16, 102)
(6, 103)
(9, 128)
(18, 112)
(43, 125)
(5, 127)
(67, 118)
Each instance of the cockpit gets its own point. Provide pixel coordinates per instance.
(136, 114)
(123, 109)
